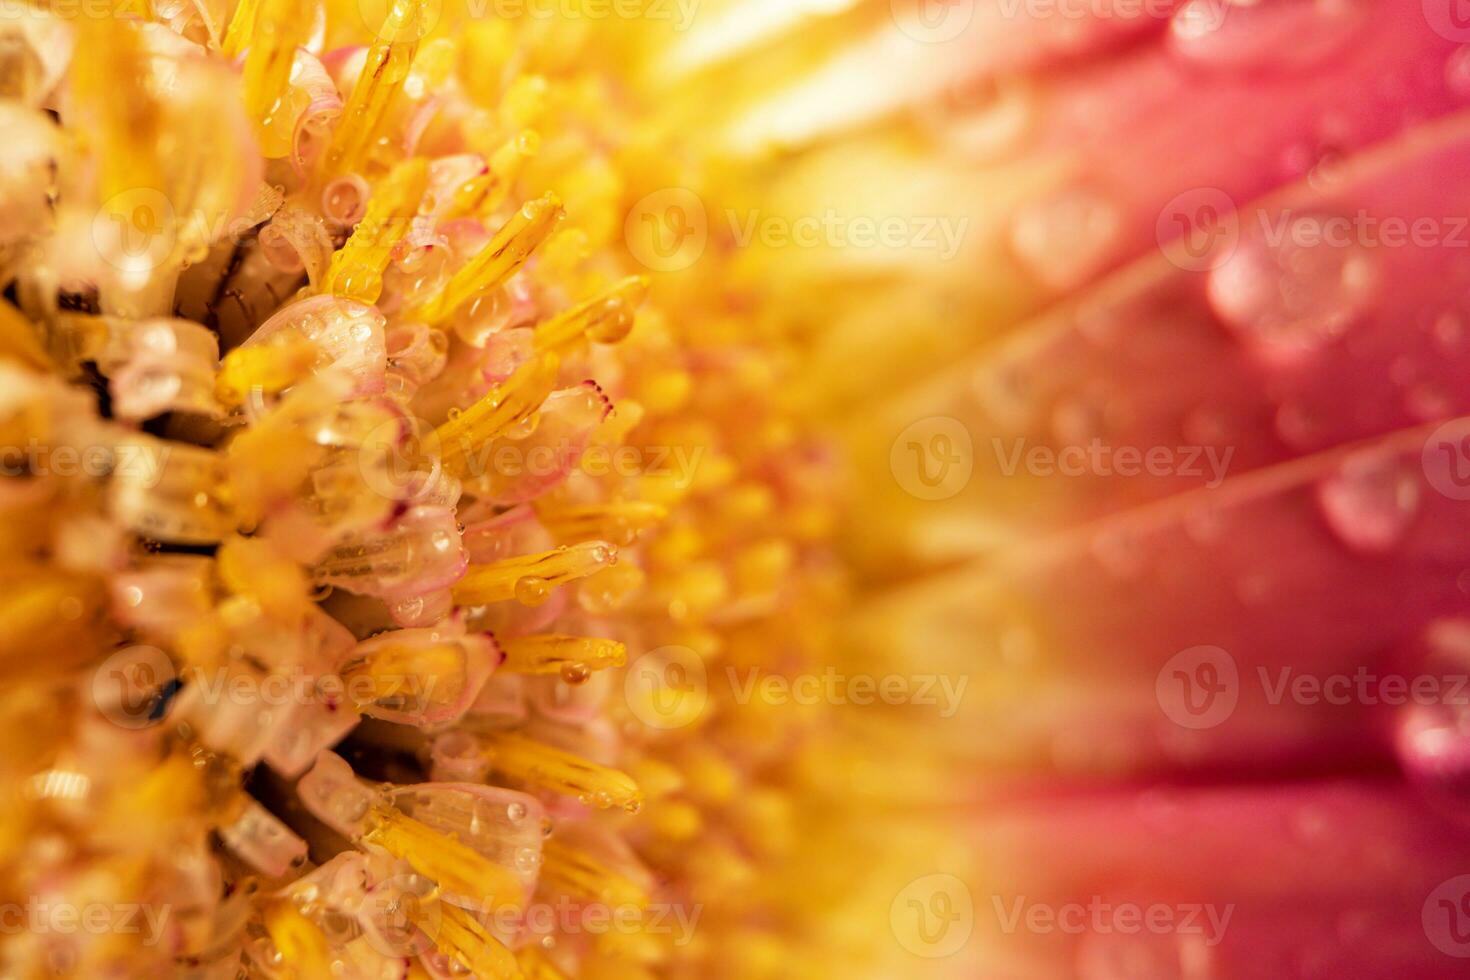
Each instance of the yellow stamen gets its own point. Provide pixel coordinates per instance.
(357, 268)
(510, 402)
(304, 949)
(267, 368)
(44, 609)
(461, 936)
(250, 567)
(280, 27)
(242, 26)
(605, 318)
(554, 653)
(490, 267)
(619, 521)
(397, 674)
(529, 579)
(539, 764)
(572, 872)
(457, 868)
(388, 63)
(124, 120)
(483, 194)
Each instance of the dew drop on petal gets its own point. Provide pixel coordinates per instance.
(1065, 240)
(1230, 35)
(1369, 502)
(1457, 72)
(1292, 288)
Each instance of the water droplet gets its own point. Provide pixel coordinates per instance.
(1448, 330)
(1204, 523)
(1065, 240)
(1284, 34)
(1005, 394)
(1206, 427)
(1117, 551)
(1293, 288)
(531, 590)
(1297, 426)
(1370, 501)
(516, 811)
(1428, 401)
(1457, 72)
(1433, 746)
(1074, 422)
(575, 673)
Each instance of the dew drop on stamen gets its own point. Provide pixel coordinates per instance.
(531, 590)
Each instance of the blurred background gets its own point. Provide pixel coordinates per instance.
(1141, 326)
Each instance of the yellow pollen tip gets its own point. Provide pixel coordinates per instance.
(539, 764)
